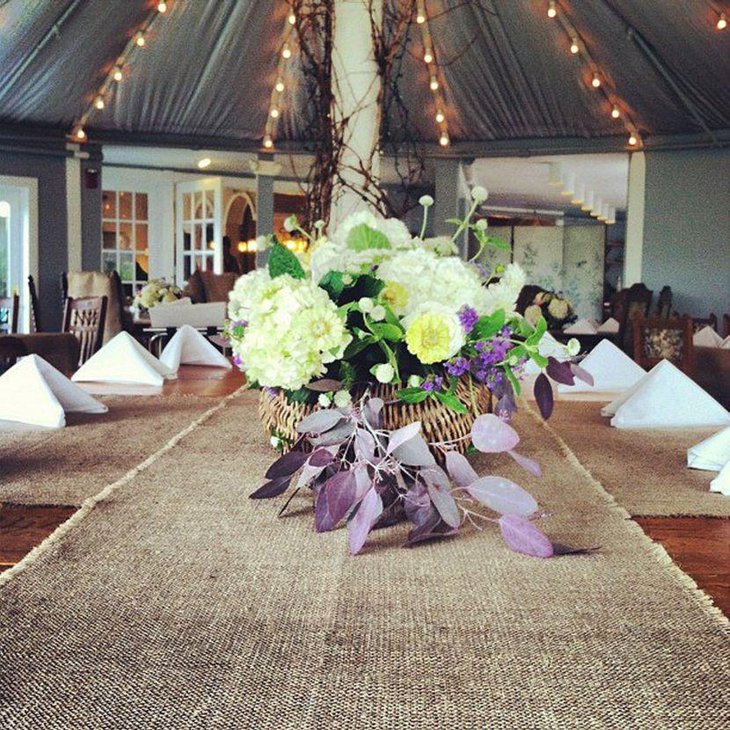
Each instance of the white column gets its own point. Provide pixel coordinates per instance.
(635, 219)
(73, 214)
(356, 86)
(265, 171)
(451, 194)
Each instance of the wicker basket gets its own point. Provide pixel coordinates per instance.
(439, 423)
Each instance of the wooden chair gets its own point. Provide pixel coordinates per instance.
(84, 318)
(726, 320)
(664, 303)
(11, 348)
(699, 323)
(35, 311)
(657, 339)
(9, 310)
(625, 306)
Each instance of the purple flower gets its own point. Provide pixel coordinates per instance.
(433, 383)
(457, 367)
(468, 318)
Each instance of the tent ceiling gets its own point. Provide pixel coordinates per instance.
(209, 66)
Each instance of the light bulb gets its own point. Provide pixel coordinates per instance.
(117, 74)
(721, 22)
(579, 195)
(444, 140)
(568, 187)
(615, 112)
(596, 81)
(268, 142)
(574, 47)
(440, 117)
(420, 18)
(428, 56)
(552, 10)
(4, 209)
(279, 86)
(633, 140)
(204, 162)
(162, 7)
(597, 207)
(99, 102)
(434, 83)
(140, 40)
(292, 19)
(274, 113)
(587, 202)
(79, 133)
(286, 52)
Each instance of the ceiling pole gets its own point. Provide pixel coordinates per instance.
(356, 88)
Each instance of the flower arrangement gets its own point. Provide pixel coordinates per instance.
(156, 291)
(556, 310)
(374, 304)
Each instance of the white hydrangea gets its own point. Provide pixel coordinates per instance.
(293, 332)
(503, 293)
(424, 278)
(245, 293)
(157, 291)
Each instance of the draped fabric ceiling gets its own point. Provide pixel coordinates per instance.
(209, 65)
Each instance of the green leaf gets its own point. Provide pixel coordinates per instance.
(539, 360)
(362, 237)
(512, 379)
(357, 346)
(332, 282)
(538, 332)
(450, 401)
(412, 395)
(283, 261)
(455, 221)
(495, 242)
(386, 331)
(487, 327)
(302, 395)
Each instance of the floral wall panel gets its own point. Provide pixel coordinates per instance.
(491, 257)
(583, 269)
(539, 250)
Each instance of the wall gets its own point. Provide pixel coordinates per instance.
(50, 172)
(687, 228)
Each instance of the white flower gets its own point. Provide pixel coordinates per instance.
(533, 314)
(414, 381)
(290, 224)
(378, 313)
(434, 333)
(573, 347)
(318, 225)
(558, 308)
(479, 194)
(275, 441)
(324, 400)
(342, 399)
(365, 304)
(426, 201)
(245, 294)
(482, 224)
(441, 245)
(503, 293)
(384, 373)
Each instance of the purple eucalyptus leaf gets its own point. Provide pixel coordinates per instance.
(308, 474)
(401, 435)
(581, 373)
(287, 464)
(524, 536)
(503, 496)
(364, 444)
(334, 500)
(326, 385)
(418, 507)
(320, 421)
(273, 488)
(492, 435)
(363, 480)
(372, 412)
(371, 507)
(436, 477)
(526, 463)
(414, 452)
(334, 436)
(445, 505)
(544, 395)
(560, 372)
(320, 457)
(460, 469)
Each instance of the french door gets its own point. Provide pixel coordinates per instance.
(13, 247)
(199, 226)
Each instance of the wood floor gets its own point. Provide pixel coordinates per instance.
(699, 545)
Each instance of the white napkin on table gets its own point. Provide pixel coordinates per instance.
(725, 344)
(582, 327)
(612, 370)
(123, 360)
(189, 347)
(610, 326)
(666, 398)
(721, 483)
(548, 346)
(706, 337)
(34, 392)
(711, 454)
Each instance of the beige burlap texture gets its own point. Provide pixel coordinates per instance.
(174, 601)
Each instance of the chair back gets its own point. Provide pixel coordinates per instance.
(11, 348)
(657, 339)
(625, 306)
(726, 320)
(35, 311)
(664, 303)
(84, 318)
(81, 284)
(699, 323)
(9, 309)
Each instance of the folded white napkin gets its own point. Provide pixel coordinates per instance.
(725, 344)
(666, 398)
(712, 453)
(189, 347)
(34, 392)
(548, 347)
(123, 360)
(610, 326)
(581, 327)
(721, 483)
(612, 370)
(707, 337)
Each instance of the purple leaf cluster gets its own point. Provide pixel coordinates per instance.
(560, 372)
(367, 476)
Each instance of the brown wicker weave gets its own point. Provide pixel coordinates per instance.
(438, 422)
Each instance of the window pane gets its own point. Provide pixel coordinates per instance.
(198, 241)
(208, 203)
(187, 261)
(141, 238)
(186, 198)
(125, 206)
(109, 235)
(140, 206)
(125, 240)
(108, 262)
(109, 204)
(142, 267)
(126, 266)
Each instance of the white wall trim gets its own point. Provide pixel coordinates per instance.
(73, 213)
(633, 252)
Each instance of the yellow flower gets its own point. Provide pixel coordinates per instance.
(434, 337)
(395, 296)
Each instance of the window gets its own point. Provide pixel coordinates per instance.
(125, 237)
(198, 229)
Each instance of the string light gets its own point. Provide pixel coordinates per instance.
(633, 139)
(268, 142)
(434, 85)
(721, 22)
(428, 56)
(552, 10)
(140, 40)
(444, 140)
(615, 112)
(574, 47)
(292, 19)
(117, 74)
(286, 51)
(274, 113)
(440, 118)
(162, 7)
(99, 102)
(596, 81)
(279, 86)
(420, 18)
(79, 133)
